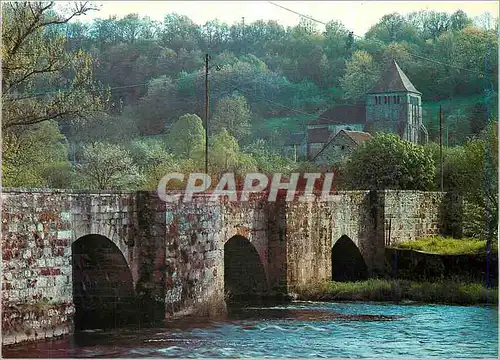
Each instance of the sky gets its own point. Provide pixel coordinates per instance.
(357, 16)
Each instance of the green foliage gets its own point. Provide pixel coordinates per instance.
(267, 160)
(158, 107)
(101, 127)
(449, 246)
(387, 162)
(447, 292)
(29, 155)
(35, 61)
(186, 136)
(59, 175)
(468, 170)
(55, 69)
(225, 155)
(360, 76)
(148, 152)
(294, 123)
(152, 160)
(232, 114)
(108, 167)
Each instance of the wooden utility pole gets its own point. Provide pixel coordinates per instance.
(206, 113)
(441, 144)
(243, 47)
(489, 176)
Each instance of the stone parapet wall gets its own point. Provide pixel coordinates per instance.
(413, 214)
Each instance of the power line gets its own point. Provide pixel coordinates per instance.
(381, 42)
(194, 75)
(111, 88)
(281, 105)
(304, 16)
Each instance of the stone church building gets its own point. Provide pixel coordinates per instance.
(393, 105)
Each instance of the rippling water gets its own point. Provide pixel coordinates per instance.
(297, 330)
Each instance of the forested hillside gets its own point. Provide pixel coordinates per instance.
(69, 86)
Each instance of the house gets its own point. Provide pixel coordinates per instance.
(340, 146)
(330, 122)
(393, 105)
(295, 146)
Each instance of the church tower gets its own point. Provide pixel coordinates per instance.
(395, 105)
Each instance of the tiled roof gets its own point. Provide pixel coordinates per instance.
(320, 135)
(394, 80)
(357, 136)
(342, 114)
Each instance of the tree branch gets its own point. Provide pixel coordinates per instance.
(48, 69)
(39, 119)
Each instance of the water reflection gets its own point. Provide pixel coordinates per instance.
(298, 330)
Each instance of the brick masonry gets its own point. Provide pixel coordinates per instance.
(175, 252)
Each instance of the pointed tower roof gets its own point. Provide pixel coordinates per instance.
(394, 80)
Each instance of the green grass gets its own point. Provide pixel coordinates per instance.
(289, 124)
(449, 246)
(456, 103)
(446, 292)
(456, 106)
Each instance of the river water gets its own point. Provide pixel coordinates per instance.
(300, 329)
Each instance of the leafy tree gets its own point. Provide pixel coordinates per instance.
(232, 114)
(477, 116)
(392, 28)
(108, 167)
(225, 155)
(148, 152)
(387, 162)
(361, 74)
(179, 32)
(159, 107)
(152, 160)
(35, 65)
(186, 136)
(35, 157)
(470, 170)
(100, 127)
(459, 20)
(267, 160)
(336, 37)
(105, 32)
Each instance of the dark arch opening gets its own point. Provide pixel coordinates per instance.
(347, 262)
(244, 274)
(103, 289)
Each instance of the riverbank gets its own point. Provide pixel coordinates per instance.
(445, 292)
(450, 246)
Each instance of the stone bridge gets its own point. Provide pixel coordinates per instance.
(58, 246)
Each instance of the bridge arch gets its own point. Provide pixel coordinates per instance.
(103, 288)
(244, 272)
(348, 263)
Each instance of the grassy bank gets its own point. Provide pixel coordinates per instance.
(449, 246)
(397, 290)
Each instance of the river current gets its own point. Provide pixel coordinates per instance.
(301, 329)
